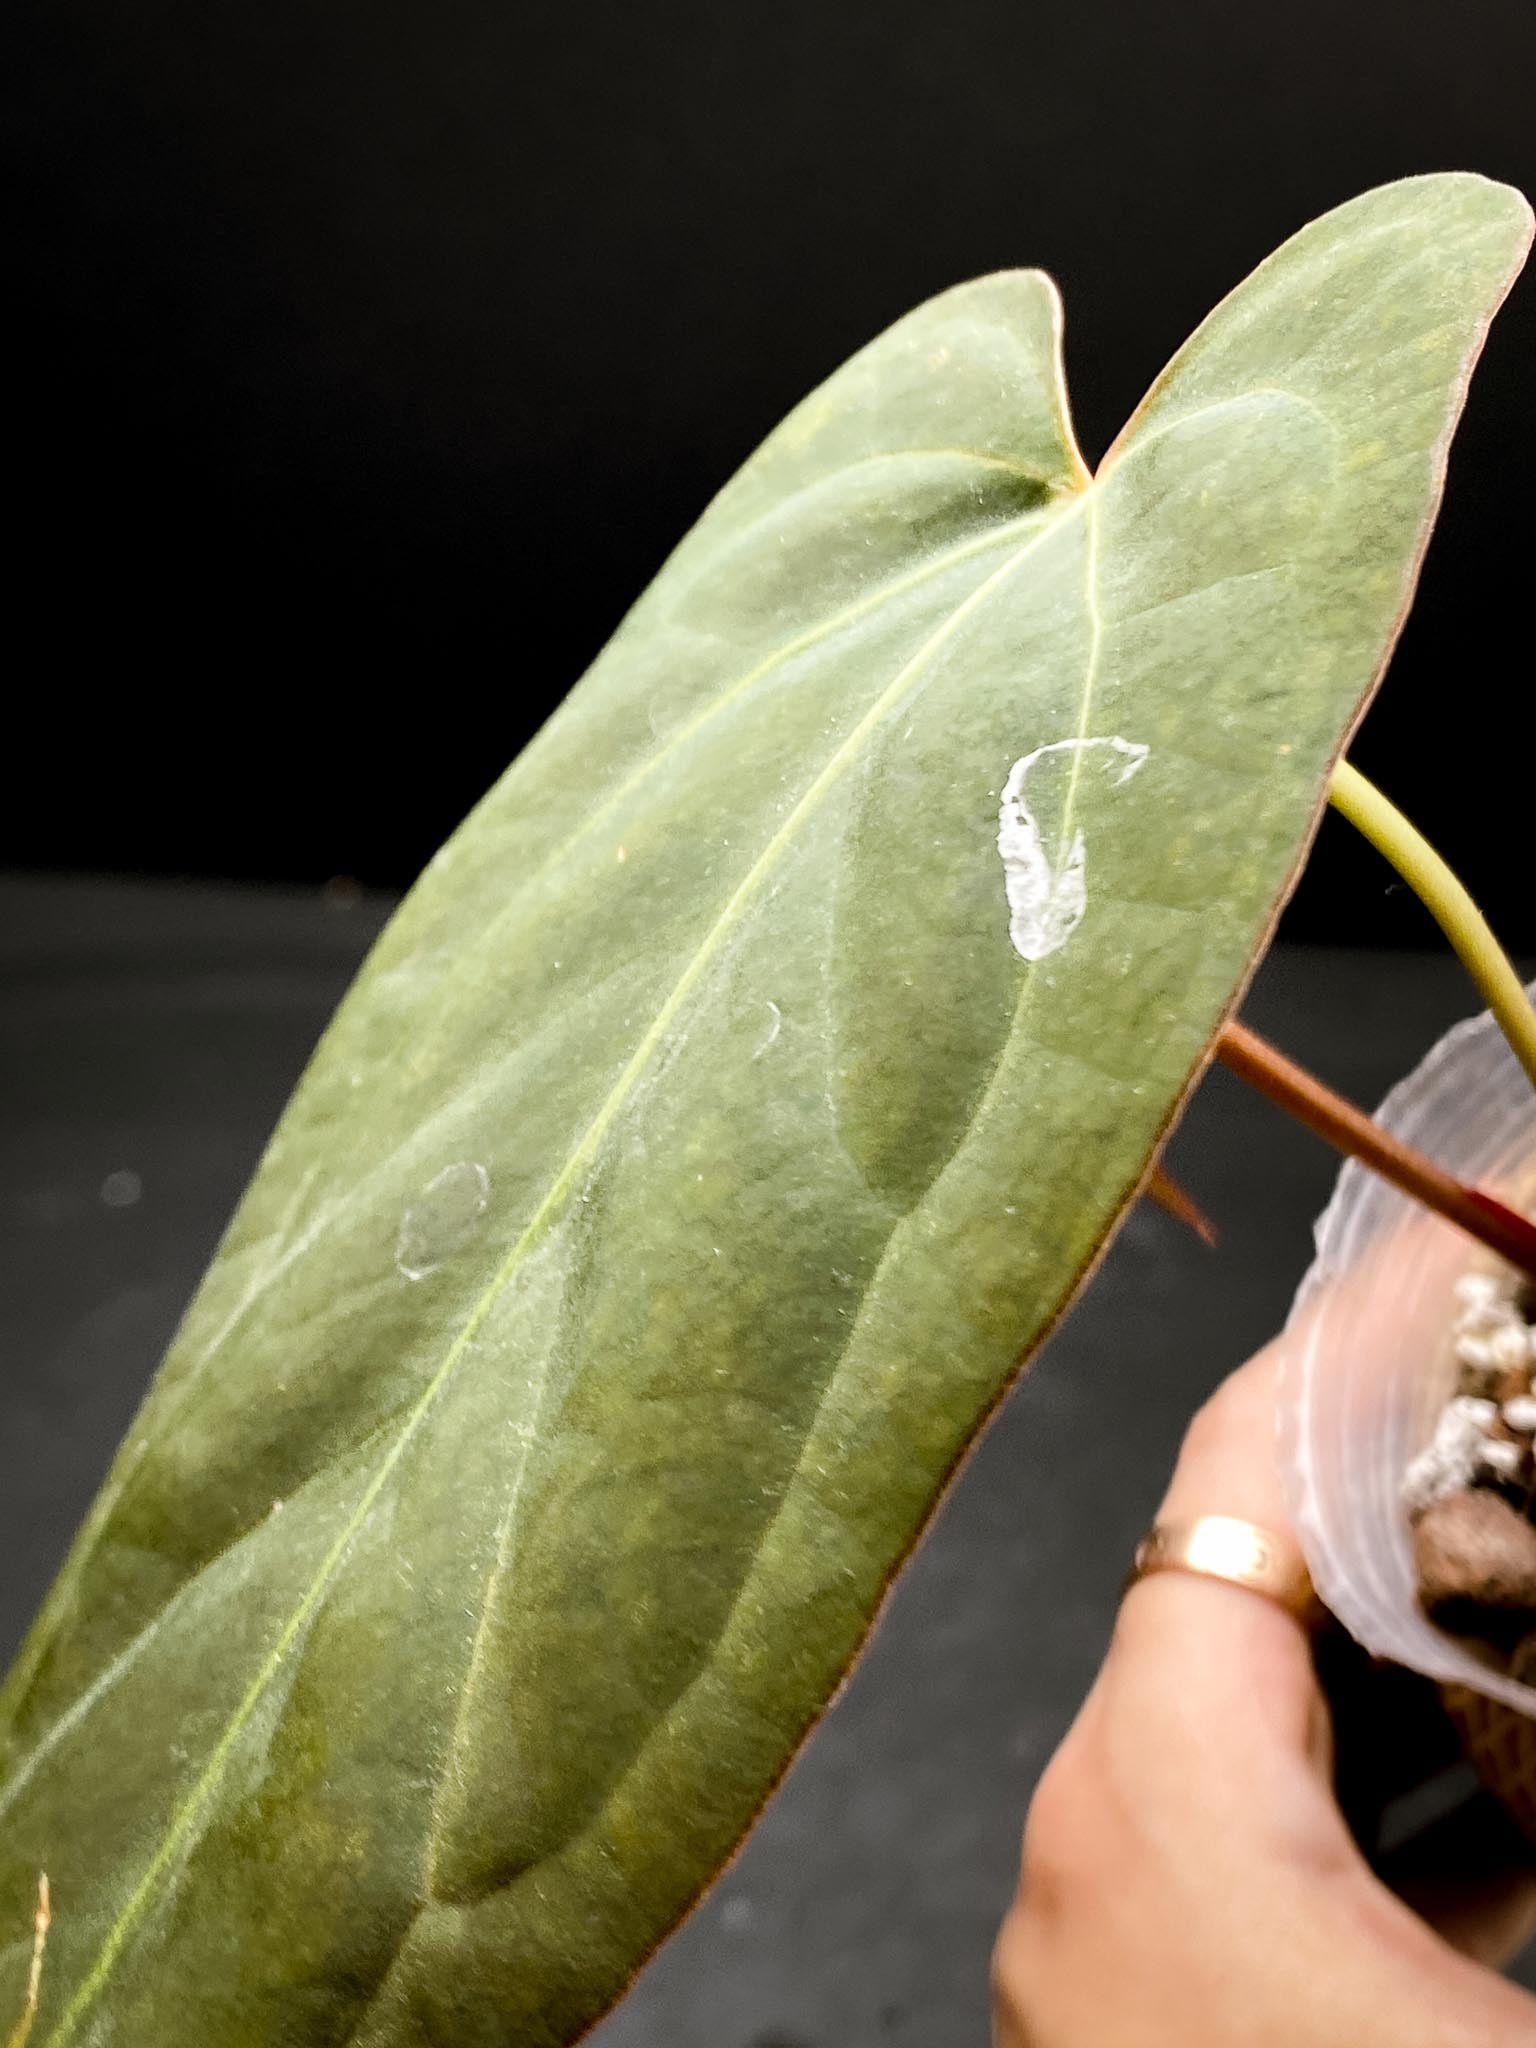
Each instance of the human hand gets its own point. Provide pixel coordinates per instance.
(1188, 1877)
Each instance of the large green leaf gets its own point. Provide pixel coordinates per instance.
(696, 1158)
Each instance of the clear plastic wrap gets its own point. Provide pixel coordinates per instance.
(1367, 1359)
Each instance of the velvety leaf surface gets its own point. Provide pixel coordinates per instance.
(697, 1156)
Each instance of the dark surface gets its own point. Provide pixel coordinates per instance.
(367, 359)
(155, 1032)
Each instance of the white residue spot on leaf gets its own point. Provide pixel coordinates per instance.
(1044, 856)
(442, 1218)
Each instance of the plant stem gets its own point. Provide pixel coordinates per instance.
(1313, 1103)
(1448, 902)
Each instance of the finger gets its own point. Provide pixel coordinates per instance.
(1227, 1463)
(1231, 1666)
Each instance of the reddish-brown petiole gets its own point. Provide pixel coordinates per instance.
(1481, 1215)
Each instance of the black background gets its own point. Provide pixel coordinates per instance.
(368, 357)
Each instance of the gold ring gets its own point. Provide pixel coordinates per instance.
(1240, 1553)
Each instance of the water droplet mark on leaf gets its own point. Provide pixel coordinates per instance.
(442, 1219)
(775, 1025)
(1043, 850)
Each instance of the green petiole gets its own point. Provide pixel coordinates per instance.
(1448, 902)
